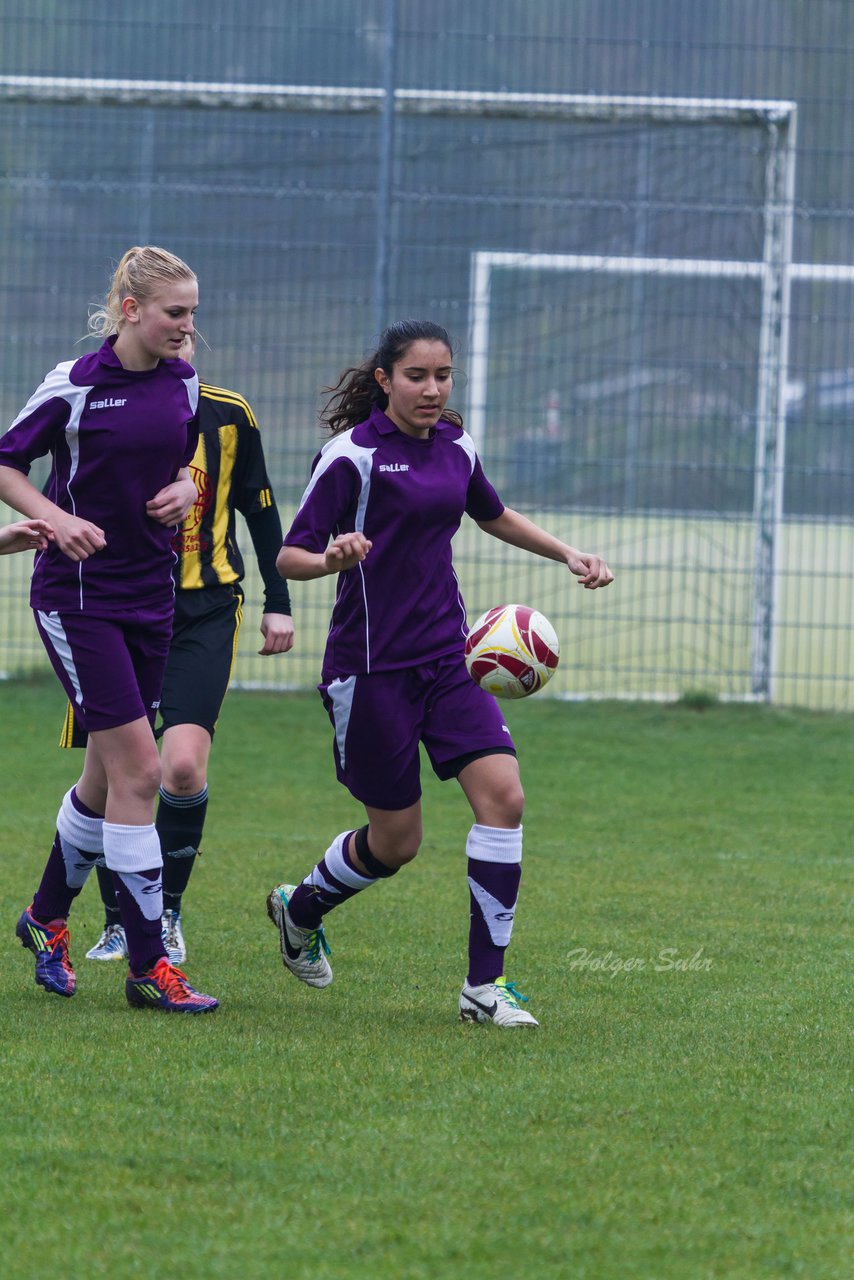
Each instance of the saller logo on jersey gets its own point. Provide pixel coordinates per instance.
(394, 466)
(106, 404)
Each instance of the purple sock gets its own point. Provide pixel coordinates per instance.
(54, 896)
(77, 845)
(492, 886)
(330, 883)
(143, 933)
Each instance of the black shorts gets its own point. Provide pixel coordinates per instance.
(201, 659)
(201, 656)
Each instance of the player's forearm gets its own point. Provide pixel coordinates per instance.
(20, 494)
(519, 531)
(299, 565)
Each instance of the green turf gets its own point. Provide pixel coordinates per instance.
(685, 1116)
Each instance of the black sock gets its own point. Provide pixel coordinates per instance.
(180, 823)
(112, 915)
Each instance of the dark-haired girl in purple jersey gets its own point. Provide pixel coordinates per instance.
(386, 496)
(120, 427)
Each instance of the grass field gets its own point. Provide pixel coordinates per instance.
(684, 1110)
(679, 616)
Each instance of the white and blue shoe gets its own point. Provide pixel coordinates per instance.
(173, 936)
(112, 944)
(304, 951)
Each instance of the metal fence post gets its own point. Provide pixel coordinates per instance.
(385, 179)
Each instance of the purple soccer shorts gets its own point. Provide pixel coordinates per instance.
(110, 667)
(380, 719)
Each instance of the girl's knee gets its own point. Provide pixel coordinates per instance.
(501, 810)
(146, 782)
(515, 804)
(394, 848)
(183, 776)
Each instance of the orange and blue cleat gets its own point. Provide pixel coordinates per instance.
(49, 945)
(166, 987)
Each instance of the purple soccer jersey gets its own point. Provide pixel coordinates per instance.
(402, 605)
(116, 437)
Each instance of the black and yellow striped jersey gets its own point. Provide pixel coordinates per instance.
(230, 473)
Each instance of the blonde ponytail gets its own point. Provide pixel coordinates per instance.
(143, 270)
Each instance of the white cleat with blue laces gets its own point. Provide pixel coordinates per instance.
(497, 1002)
(304, 951)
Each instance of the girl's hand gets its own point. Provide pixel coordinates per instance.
(78, 539)
(347, 550)
(171, 504)
(25, 535)
(278, 632)
(591, 571)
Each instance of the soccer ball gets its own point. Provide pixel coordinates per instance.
(512, 651)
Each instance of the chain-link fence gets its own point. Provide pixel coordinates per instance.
(635, 219)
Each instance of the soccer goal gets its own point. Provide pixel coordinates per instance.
(772, 275)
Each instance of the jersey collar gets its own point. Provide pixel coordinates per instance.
(107, 355)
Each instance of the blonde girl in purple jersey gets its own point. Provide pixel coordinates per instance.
(387, 494)
(120, 428)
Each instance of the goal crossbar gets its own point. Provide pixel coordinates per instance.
(439, 102)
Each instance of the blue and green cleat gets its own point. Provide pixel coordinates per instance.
(166, 987)
(49, 945)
